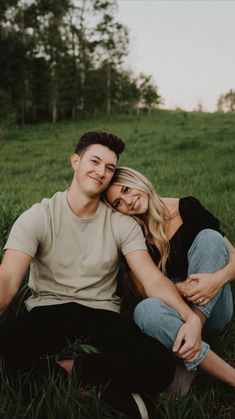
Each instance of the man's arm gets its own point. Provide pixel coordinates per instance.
(155, 284)
(12, 270)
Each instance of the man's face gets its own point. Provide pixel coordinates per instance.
(94, 169)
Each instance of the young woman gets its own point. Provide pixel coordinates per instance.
(186, 243)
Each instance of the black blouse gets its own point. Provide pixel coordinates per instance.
(195, 218)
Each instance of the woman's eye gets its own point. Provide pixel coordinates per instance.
(125, 189)
(116, 204)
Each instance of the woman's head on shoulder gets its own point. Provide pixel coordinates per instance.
(133, 194)
(129, 192)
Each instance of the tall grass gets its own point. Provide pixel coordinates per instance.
(182, 154)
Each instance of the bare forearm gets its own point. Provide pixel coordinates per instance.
(227, 273)
(3, 309)
(164, 289)
(6, 296)
(156, 284)
(12, 270)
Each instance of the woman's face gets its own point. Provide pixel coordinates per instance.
(127, 200)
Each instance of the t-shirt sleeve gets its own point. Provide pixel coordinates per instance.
(27, 231)
(130, 235)
(202, 217)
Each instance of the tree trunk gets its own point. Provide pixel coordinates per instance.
(108, 89)
(54, 95)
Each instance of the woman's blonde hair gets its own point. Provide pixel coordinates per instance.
(157, 213)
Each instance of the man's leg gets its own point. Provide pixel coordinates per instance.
(128, 361)
(142, 364)
(25, 341)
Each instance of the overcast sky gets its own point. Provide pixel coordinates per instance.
(188, 46)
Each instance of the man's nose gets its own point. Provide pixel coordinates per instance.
(100, 170)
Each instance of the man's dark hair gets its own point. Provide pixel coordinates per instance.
(104, 138)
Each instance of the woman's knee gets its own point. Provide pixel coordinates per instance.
(208, 247)
(211, 240)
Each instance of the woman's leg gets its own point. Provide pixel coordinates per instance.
(209, 253)
(218, 368)
(162, 322)
(159, 320)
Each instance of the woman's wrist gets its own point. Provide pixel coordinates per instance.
(224, 275)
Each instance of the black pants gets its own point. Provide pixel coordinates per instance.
(128, 359)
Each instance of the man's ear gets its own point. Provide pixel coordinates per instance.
(75, 159)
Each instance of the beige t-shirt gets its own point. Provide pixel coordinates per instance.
(74, 259)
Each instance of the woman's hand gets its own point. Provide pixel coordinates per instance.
(188, 341)
(201, 287)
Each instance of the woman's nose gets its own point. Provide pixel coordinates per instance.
(129, 201)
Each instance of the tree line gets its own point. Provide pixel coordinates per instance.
(64, 59)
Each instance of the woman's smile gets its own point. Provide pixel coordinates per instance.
(127, 200)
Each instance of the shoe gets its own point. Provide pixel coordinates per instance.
(141, 405)
(182, 381)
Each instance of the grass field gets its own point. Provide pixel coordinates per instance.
(182, 154)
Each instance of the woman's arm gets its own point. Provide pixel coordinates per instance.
(204, 286)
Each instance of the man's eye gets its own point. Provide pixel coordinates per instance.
(125, 189)
(111, 169)
(94, 161)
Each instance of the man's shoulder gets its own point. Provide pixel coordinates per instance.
(40, 210)
(119, 218)
(57, 199)
(127, 232)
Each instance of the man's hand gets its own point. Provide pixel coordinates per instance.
(188, 341)
(181, 287)
(12, 269)
(201, 287)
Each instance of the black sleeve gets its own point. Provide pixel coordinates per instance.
(200, 217)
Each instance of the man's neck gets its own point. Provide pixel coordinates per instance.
(83, 206)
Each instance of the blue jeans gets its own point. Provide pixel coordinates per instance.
(208, 253)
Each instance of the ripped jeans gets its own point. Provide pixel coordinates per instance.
(208, 253)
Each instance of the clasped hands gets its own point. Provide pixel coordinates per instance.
(200, 288)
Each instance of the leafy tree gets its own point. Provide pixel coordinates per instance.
(226, 102)
(63, 59)
(148, 92)
(111, 44)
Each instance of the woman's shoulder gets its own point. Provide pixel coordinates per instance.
(182, 205)
(172, 204)
(189, 203)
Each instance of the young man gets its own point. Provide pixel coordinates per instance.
(72, 244)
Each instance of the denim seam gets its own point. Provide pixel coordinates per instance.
(192, 366)
(203, 310)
